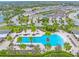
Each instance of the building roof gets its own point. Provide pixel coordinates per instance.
(75, 32)
(4, 31)
(76, 23)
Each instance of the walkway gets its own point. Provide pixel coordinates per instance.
(4, 45)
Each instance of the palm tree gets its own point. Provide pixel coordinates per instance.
(47, 33)
(25, 19)
(37, 48)
(48, 46)
(20, 18)
(17, 29)
(33, 28)
(45, 21)
(9, 38)
(22, 46)
(24, 27)
(7, 20)
(19, 39)
(62, 21)
(31, 38)
(70, 25)
(67, 46)
(47, 40)
(55, 26)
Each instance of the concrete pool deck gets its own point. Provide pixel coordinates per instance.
(61, 33)
(41, 33)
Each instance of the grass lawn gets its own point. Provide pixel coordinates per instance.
(47, 12)
(71, 11)
(46, 54)
(12, 28)
(78, 17)
(76, 28)
(4, 28)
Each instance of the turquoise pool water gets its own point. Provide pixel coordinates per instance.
(53, 40)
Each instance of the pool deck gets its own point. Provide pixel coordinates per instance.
(69, 38)
(41, 33)
(61, 33)
(30, 33)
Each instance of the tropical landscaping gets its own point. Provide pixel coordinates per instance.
(46, 54)
(38, 30)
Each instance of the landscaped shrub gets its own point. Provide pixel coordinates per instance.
(19, 39)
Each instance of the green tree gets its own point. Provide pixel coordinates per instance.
(30, 39)
(48, 46)
(9, 38)
(70, 25)
(48, 33)
(25, 19)
(45, 21)
(22, 46)
(24, 27)
(19, 39)
(55, 26)
(17, 29)
(37, 48)
(7, 20)
(67, 46)
(33, 28)
(77, 54)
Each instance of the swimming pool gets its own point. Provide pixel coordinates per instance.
(53, 40)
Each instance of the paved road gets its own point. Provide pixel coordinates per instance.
(32, 13)
(27, 12)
